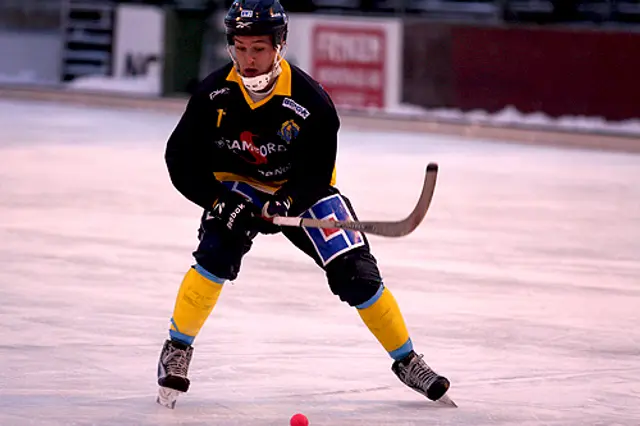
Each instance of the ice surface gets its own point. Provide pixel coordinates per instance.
(522, 285)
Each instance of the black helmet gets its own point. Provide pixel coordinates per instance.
(257, 17)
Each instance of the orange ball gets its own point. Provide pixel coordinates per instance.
(299, 420)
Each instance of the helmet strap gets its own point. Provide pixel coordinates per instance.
(262, 82)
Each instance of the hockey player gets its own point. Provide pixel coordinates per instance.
(259, 139)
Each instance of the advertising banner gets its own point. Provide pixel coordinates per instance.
(357, 60)
(139, 47)
(349, 62)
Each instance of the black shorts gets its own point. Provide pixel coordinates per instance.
(343, 254)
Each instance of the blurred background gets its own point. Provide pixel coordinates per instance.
(571, 63)
(521, 284)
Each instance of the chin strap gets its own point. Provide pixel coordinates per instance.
(259, 83)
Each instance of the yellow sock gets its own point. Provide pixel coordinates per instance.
(197, 296)
(382, 316)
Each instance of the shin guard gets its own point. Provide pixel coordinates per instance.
(382, 316)
(197, 296)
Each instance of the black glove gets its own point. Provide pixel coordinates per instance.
(235, 213)
(276, 206)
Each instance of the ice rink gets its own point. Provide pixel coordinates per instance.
(522, 285)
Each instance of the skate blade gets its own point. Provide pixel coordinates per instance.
(167, 397)
(444, 399)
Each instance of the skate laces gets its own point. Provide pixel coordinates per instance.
(177, 362)
(418, 373)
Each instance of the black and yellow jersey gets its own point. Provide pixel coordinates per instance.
(286, 142)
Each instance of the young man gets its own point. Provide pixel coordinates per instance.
(259, 139)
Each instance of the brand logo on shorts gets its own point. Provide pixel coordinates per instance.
(297, 108)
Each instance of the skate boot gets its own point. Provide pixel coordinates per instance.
(173, 366)
(415, 373)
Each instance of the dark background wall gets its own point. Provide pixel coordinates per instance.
(559, 71)
(428, 79)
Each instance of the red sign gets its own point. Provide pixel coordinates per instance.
(349, 63)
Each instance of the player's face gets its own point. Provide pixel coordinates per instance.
(255, 54)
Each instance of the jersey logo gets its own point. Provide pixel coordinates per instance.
(289, 131)
(246, 137)
(251, 147)
(215, 93)
(297, 108)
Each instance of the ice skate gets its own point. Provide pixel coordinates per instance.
(173, 366)
(415, 373)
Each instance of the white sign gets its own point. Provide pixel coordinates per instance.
(349, 63)
(139, 46)
(357, 60)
